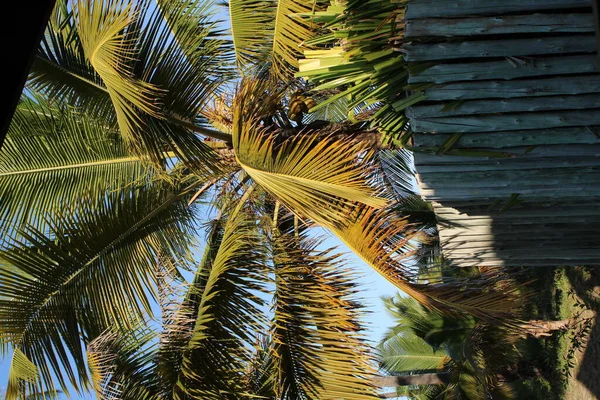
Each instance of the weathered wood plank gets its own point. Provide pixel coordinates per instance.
(509, 164)
(488, 232)
(453, 8)
(507, 122)
(582, 220)
(513, 178)
(469, 235)
(590, 210)
(522, 242)
(477, 205)
(468, 262)
(522, 255)
(499, 48)
(488, 70)
(449, 194)
(496, 106)
(575, 151)
(510, 139)
(567, 85)
(502, 24)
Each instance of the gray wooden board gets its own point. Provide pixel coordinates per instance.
(582, 220)
(504, 192)
(575, 150)
(513, 178)
(500, 48)
(503, 69)
(447, 8)
(500, 89)
(495, 106)
(590, 210)
(509, 139)
(488, 231)
(520, 242)
(510, 164)
(501, 24)
(506, 122)
(547, 254)
(540, 262)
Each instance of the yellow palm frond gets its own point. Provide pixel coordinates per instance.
(102, 27)
(22, 370)
(317, 347)
(387, 243)
(294, 25)
(316, 176)
(252, 30)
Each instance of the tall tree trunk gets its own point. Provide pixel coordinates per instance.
(540, 329)
(439, 378)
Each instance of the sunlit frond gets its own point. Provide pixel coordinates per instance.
(101, 27)
(228, 316)
(93, 270)
(252, 29)
(294, 25)
(388, 244)
(403, 353)
(138, 78)
(316, 176)
(53, 158)
(318, 349)
(21, 371)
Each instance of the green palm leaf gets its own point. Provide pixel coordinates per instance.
(252, 28)
(95, 269)
(317, 177)
(228, 315)
(55, 157)
(101, 28)
(21, 371)
(272, 31)
(409, 353)
(317, 348)
(388, 244)
(125, 76)
(122, 364)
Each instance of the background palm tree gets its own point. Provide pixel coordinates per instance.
(135, 111)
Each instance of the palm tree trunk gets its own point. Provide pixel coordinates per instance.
(540, 329)
(438, 378)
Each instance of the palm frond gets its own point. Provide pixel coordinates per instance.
(60, 69)
(252, 29)
(54, 157)
(318, 349)
(93, 270)
(22, 370)
(122, 364)
(404, 353)
(179, 321)
(388, 244)
(228, 315)
(294, 26)
(361, 61)
(143, 69)
(317, 177)
(198, 35)
(101, 28)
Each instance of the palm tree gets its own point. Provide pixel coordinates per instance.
(132, 116)
(429, 355)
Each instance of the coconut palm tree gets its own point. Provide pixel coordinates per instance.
(132, 116)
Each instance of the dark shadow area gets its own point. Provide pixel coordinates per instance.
(587, 288)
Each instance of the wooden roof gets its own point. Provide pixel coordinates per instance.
(508, 140)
